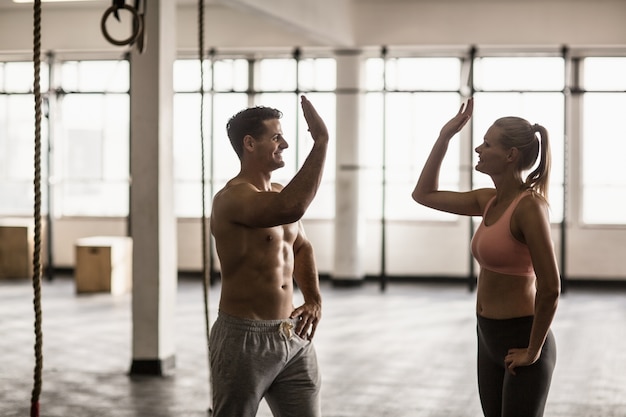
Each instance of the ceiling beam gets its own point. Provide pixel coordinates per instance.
(328, 22)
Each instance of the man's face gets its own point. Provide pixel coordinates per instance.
(271, 144)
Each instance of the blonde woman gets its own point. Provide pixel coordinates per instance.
(518, 284)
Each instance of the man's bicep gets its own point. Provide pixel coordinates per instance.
(301, 243)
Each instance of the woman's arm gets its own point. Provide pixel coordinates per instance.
(531, 218)
(427, 191)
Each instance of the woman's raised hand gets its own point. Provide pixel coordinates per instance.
(455, 124)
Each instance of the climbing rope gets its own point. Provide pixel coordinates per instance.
(34, 408)
(206, 271)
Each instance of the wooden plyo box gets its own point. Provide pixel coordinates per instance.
(104, 264)
(16, 248)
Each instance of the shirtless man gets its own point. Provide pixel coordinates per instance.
(260, 345)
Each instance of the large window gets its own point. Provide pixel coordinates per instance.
(603, 141)
(279, 82)
(407, 102)
(89, 119)
(528, 87)
(232, 85)
(92, 145)
(228, 81)
(410, 99)
(17, 134)
(87, 113)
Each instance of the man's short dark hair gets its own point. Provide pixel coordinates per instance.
(249, 122)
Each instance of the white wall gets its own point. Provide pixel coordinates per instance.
(412, 248)
(491, 22)
(372, 23)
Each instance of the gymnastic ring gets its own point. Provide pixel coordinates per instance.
(137, 25)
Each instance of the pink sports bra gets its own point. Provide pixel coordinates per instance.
(496, 249)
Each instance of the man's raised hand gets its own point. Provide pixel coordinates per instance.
(317, 127)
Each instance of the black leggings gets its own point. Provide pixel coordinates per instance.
(503, 394)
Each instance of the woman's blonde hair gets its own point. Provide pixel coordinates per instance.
(519, 133)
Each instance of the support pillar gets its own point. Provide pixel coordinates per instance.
(152, 218)
(349, 218)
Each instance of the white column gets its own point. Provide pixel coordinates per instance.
(349, 218)
(152, 219)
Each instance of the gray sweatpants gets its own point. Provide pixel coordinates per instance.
(255, 359)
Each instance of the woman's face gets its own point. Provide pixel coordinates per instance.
(492, 156)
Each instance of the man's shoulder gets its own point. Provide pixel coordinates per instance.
(234, 186)
(232, 196)
(277, 186)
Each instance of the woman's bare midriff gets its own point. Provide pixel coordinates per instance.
(501, 296)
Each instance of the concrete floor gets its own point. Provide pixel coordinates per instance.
(408, 352)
